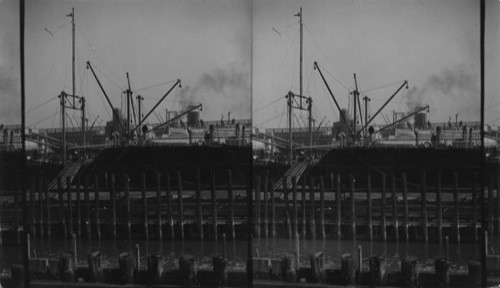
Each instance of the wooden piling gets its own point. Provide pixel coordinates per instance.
(369, 211)
(497, 219)
(353, 208)
(474, 207)
(170, 211)
(16, 208)
(442, 271)
(360, 259)
(87, 206)
(32, 213)
(126, 187)
(338, 209)
(220, 270)
(230, 198)
(266, 203)
(322, 207)
(62, 217)
(43, 183)
(447, 248)
(394, 207)
(159, 229)
(423, 205)
(75, 255)
(181, 206)
(439, 209)
(405, 205)
(409, 272)
(126, 264)
(384, 211)
(317, 261)
(304, 210)
(47, 210)
(97, 207)
(186, 270)
(67, 271)
(273, 209)
(491, 206)
(377, 271)
(294, 209)
(96, 272)
(213, 198)
(145, 228)
(199, 214)
(137, 252)
(257, 185)
(312, 210)
(456, 210)
(70, 209)
(113, 205)
(348, 265)
(78, 208)
(287, 208)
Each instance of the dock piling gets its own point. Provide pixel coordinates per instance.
(338, 210)
(273, 209)
(181, 206)
(199, 212)
(113, 205)
(294, 209)
(230, 198)
(369, 208)
(170, 210)
(70, 210)
(87, 207)
(353, 208)
(384, 211)
(145, 229)
(312, 210)
(439, 209)
(423, 204)
(405, 205)
(266, 203)
(78, 208)
(394, 207)
(287, 208)
(159, 229)
(213, 198)
(62, 217)
(322, 207)
(97, 216)
(474, 207)
(304, 212)
(257, 185)
(127, 205)
(456, 210)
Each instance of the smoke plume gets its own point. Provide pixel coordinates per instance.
(448, 93)
(221, 91)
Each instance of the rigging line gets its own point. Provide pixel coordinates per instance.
(55, 113)
(325, 55)
(328, 72)
(269, 120)
(380, 87)
(98, 58)
(44, 119)
(97, 68)
(268, 104)
(47, 74)
(38, 106)
(153, 86)
(281, 64)
(282, 112)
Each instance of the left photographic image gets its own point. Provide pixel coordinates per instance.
(125, 152)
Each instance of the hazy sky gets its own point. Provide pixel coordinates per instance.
(219, 49)
(206, 44)
(435, 45)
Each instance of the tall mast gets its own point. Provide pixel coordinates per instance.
(73, 52)
(301, 55)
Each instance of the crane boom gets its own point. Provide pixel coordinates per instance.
(333, 97)
(385, 104)
(105, 95)
(178, 116)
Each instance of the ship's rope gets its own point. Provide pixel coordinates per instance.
(40, 105)
(346, 86)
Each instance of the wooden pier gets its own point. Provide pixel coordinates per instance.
(414, 209)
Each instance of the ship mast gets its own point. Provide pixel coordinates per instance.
(301, 104)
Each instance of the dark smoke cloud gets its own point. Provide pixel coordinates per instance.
(448, 93)
(10, 111)
(221, 91)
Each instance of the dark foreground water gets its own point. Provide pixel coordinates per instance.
(203, 252)
(394, 252)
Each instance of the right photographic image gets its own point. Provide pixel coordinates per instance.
(375, 143)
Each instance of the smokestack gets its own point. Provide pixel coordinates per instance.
(237, 131)
(5, 136)
(211, 133)
(470, 137)
(438, 135)
(190, 136)
(416, 138)
(12, 140)
(464, 133)
(243, 136)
